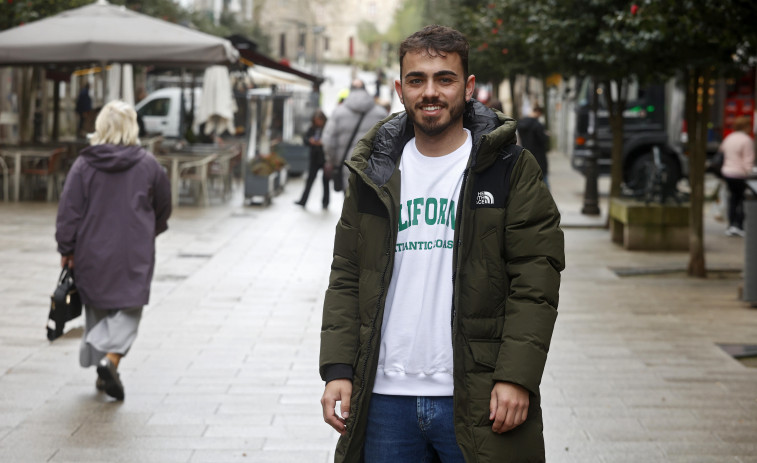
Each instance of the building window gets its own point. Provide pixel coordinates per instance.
(283, 45)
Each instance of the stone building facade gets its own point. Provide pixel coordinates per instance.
(308, 33)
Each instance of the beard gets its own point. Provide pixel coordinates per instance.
(435, 125)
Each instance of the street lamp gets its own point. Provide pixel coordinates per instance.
(591, 170)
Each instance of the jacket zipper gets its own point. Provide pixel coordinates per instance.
(458, 233)
(456, 250)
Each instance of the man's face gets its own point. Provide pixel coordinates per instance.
(434, 91)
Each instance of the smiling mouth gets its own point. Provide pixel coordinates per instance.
(431, 107)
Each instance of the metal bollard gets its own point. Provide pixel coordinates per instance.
(750, 251)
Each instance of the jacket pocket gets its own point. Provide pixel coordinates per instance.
(485, 352)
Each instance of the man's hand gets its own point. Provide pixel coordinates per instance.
(338, 390)
(508, 406)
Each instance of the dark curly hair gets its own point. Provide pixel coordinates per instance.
(437, 40)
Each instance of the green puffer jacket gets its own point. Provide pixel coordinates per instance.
(508, 254)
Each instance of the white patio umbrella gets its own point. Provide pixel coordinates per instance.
(217, 105)
(120, 83)
(102, 33)
(105, 33)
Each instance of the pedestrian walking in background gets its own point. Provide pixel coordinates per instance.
(115, 201)
(738, 164)
(534, 138)
(83, 107)
(444, 283)
(348, 123)
(317, 159)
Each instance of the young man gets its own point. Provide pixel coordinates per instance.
(444, 284)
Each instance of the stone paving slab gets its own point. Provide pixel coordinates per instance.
(225, 364)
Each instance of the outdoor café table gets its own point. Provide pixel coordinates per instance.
(173, 159)
(20, 153)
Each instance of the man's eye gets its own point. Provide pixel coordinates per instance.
(414, 81)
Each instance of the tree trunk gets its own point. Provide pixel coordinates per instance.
(616, 125)
(545, 92)
(697, 113)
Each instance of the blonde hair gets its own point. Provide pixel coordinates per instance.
(743, 124)
(116, 124)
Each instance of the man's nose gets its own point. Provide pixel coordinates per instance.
(430, 90)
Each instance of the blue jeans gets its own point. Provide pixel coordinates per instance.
(411, 429)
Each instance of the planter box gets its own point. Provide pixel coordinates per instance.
(640, 226)
(297, 156)
(261, 187)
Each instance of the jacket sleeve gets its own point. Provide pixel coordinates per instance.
(341, 322)
(161, 199)
(748, 158)
(534, 257)
(71, 207)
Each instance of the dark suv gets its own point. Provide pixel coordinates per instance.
(644, 130)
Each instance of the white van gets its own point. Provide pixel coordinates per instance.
(160, 110)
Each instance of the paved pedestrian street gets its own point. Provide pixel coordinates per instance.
(225, 366)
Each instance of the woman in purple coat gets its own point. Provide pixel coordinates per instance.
(115, 201)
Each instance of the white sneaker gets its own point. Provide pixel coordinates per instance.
(734, 231)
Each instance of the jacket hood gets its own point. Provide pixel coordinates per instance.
(112, 158)
(359, 100)
(378, 153)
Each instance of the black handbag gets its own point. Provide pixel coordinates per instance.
(65, 304)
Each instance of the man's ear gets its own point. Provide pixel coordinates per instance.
(470, 86)
(398, 89)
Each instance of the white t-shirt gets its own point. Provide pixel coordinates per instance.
(415, 356)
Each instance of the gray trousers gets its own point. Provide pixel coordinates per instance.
(112, 330)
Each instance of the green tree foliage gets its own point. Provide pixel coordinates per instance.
(613, 41)
(161, 9)
(228, 25)
(16, 12)
(370, 36)
(713, 38)
(409, 18)
(367, 32)
(440, 12)
(594, 38)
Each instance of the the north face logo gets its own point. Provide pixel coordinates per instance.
(484, 197)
